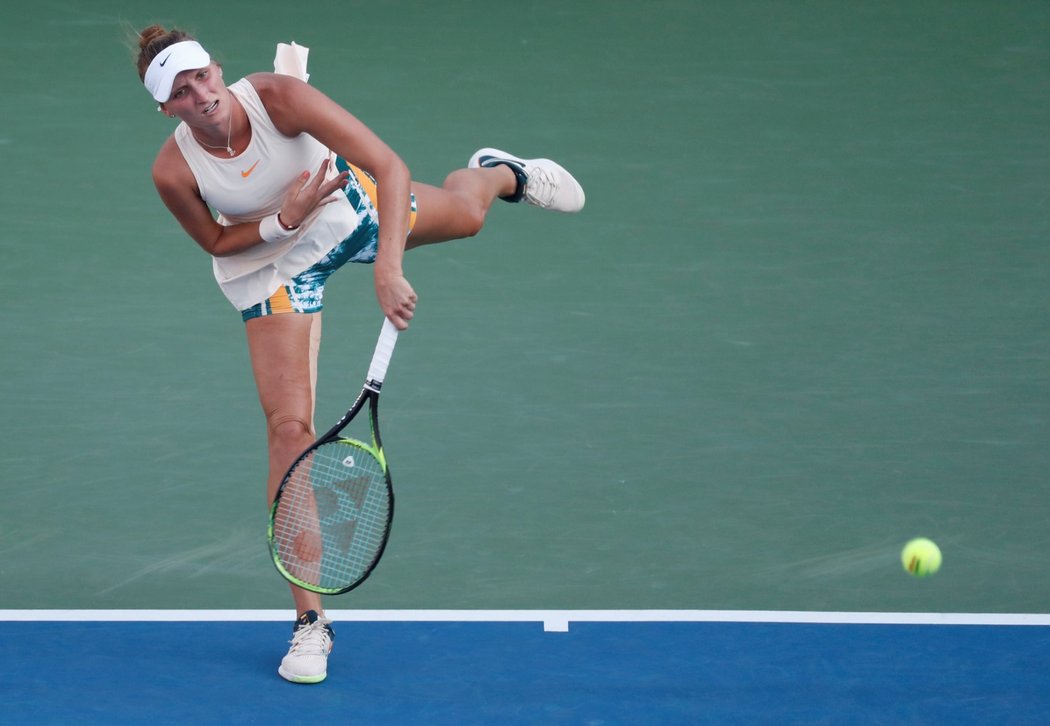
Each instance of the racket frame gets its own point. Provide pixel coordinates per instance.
(369, 395)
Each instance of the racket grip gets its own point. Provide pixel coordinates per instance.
(384, 349)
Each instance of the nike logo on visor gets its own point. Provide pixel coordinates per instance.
(166, 59)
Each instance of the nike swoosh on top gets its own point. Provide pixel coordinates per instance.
(166, 59)
(251, 168)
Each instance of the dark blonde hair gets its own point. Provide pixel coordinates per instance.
(153, 40)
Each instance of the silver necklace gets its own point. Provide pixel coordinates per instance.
(229, 135)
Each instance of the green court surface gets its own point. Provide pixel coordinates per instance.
(802, 319)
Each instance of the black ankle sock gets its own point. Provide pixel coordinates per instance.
(519, 173)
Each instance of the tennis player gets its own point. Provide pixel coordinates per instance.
(282, 186)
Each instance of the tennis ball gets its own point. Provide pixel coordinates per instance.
(921, 557)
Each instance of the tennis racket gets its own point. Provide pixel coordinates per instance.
(330, 520)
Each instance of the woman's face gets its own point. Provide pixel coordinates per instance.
(198, 96)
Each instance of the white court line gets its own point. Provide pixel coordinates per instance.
(553, 620)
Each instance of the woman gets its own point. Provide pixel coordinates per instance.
(300, 187)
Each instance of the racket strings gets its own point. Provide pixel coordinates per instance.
(332, 519)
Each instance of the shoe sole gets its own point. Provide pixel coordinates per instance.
(300, 679)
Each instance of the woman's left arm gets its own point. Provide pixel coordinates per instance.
(296, 107)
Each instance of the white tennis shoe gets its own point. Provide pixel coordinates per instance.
(541, 182)
(307, 659)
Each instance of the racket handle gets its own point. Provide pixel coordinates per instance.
(384, 349)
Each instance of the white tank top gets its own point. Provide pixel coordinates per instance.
(252, 185)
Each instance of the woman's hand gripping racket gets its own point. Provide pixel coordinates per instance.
(331, 518)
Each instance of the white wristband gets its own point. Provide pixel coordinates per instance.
(271, 230)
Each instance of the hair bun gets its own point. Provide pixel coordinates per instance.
(151, 34)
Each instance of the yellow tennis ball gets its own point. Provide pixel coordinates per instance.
(921, 557)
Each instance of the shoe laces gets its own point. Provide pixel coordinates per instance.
(312, 639)
(541, 187)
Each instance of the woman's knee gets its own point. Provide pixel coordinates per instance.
(472, 202)
(472, 221)
(288, 432)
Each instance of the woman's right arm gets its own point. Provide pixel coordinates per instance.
(178, 190)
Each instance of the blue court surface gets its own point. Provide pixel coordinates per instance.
(403, 669)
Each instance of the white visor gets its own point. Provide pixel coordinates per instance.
(185, 55)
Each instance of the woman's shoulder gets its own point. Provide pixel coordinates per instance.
(268, 84)
(281, 97)
(170, 167)
(168, 152)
